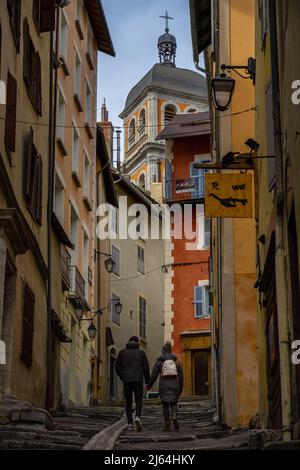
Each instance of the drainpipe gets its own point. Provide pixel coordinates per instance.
(51, 148)
(283, 325)
(215, 22)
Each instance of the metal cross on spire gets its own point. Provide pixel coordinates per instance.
(167, 18)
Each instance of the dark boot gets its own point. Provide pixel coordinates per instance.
(175, 422)
(167, 427)
(174, 417)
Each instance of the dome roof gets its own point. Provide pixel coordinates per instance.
(171, 79)
(166, 37)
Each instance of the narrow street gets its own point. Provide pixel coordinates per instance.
(73, 428)
(197, 430)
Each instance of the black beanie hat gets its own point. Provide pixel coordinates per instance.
(134, 338)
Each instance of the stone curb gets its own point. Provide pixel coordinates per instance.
(106, 438)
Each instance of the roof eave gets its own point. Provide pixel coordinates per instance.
(201, 34)
(100, 27)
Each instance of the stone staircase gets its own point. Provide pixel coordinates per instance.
(72, 429)
(197, 431)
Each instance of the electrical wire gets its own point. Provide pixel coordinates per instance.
(43, 124)
(143, 276)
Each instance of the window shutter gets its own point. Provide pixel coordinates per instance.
(34, 184)
(38, 89)
(28, 162)
(39, 190)
(11, 112)
(46, 15)
(10, 6)
(26, 53)
(28, 325)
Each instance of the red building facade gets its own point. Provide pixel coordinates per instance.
(187, 305)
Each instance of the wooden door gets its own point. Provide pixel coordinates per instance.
(200, 372)
(268, 287)
(295, 295)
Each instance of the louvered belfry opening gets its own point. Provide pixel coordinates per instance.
(170, 113)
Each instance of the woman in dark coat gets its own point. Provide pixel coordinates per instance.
(170, 387)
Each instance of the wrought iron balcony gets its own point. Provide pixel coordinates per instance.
(185, 189)
(77, 291)
(65, 268)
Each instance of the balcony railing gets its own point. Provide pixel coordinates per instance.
(65, 268)
(77, 285)
(185, 189)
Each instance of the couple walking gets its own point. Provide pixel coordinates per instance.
(132, 367)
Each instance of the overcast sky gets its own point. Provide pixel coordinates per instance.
(135, 27)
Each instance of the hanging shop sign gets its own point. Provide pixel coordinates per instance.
(185, 186)
(229, 195)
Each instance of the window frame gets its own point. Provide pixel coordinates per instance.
(116, 317)
(142, 316)
(140, 261)
(204, 302)
(115, 255)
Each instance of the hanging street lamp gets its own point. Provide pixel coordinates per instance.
(222, 91)
(92, 330)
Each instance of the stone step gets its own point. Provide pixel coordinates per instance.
(36, 445)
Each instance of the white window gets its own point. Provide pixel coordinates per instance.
(74, 235)
(59, 199)
(116, 317)
(87, 177)
(115, 255)
(61, 111)
(75, 152)
(201, 301)
(140, 259)
(88, 104)
(142, 317)
(77, 75)
(63, 35)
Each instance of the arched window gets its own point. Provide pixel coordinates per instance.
(170, 112)
(131, 137)
(142, 123)
(142, 181)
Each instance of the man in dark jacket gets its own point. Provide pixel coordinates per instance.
(132, 367)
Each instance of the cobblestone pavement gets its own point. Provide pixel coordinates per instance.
(197, 431)
(72, 429)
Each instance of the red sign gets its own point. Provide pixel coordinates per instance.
(185, 186)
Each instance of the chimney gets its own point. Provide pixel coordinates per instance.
(104, 112)
(118, 149)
